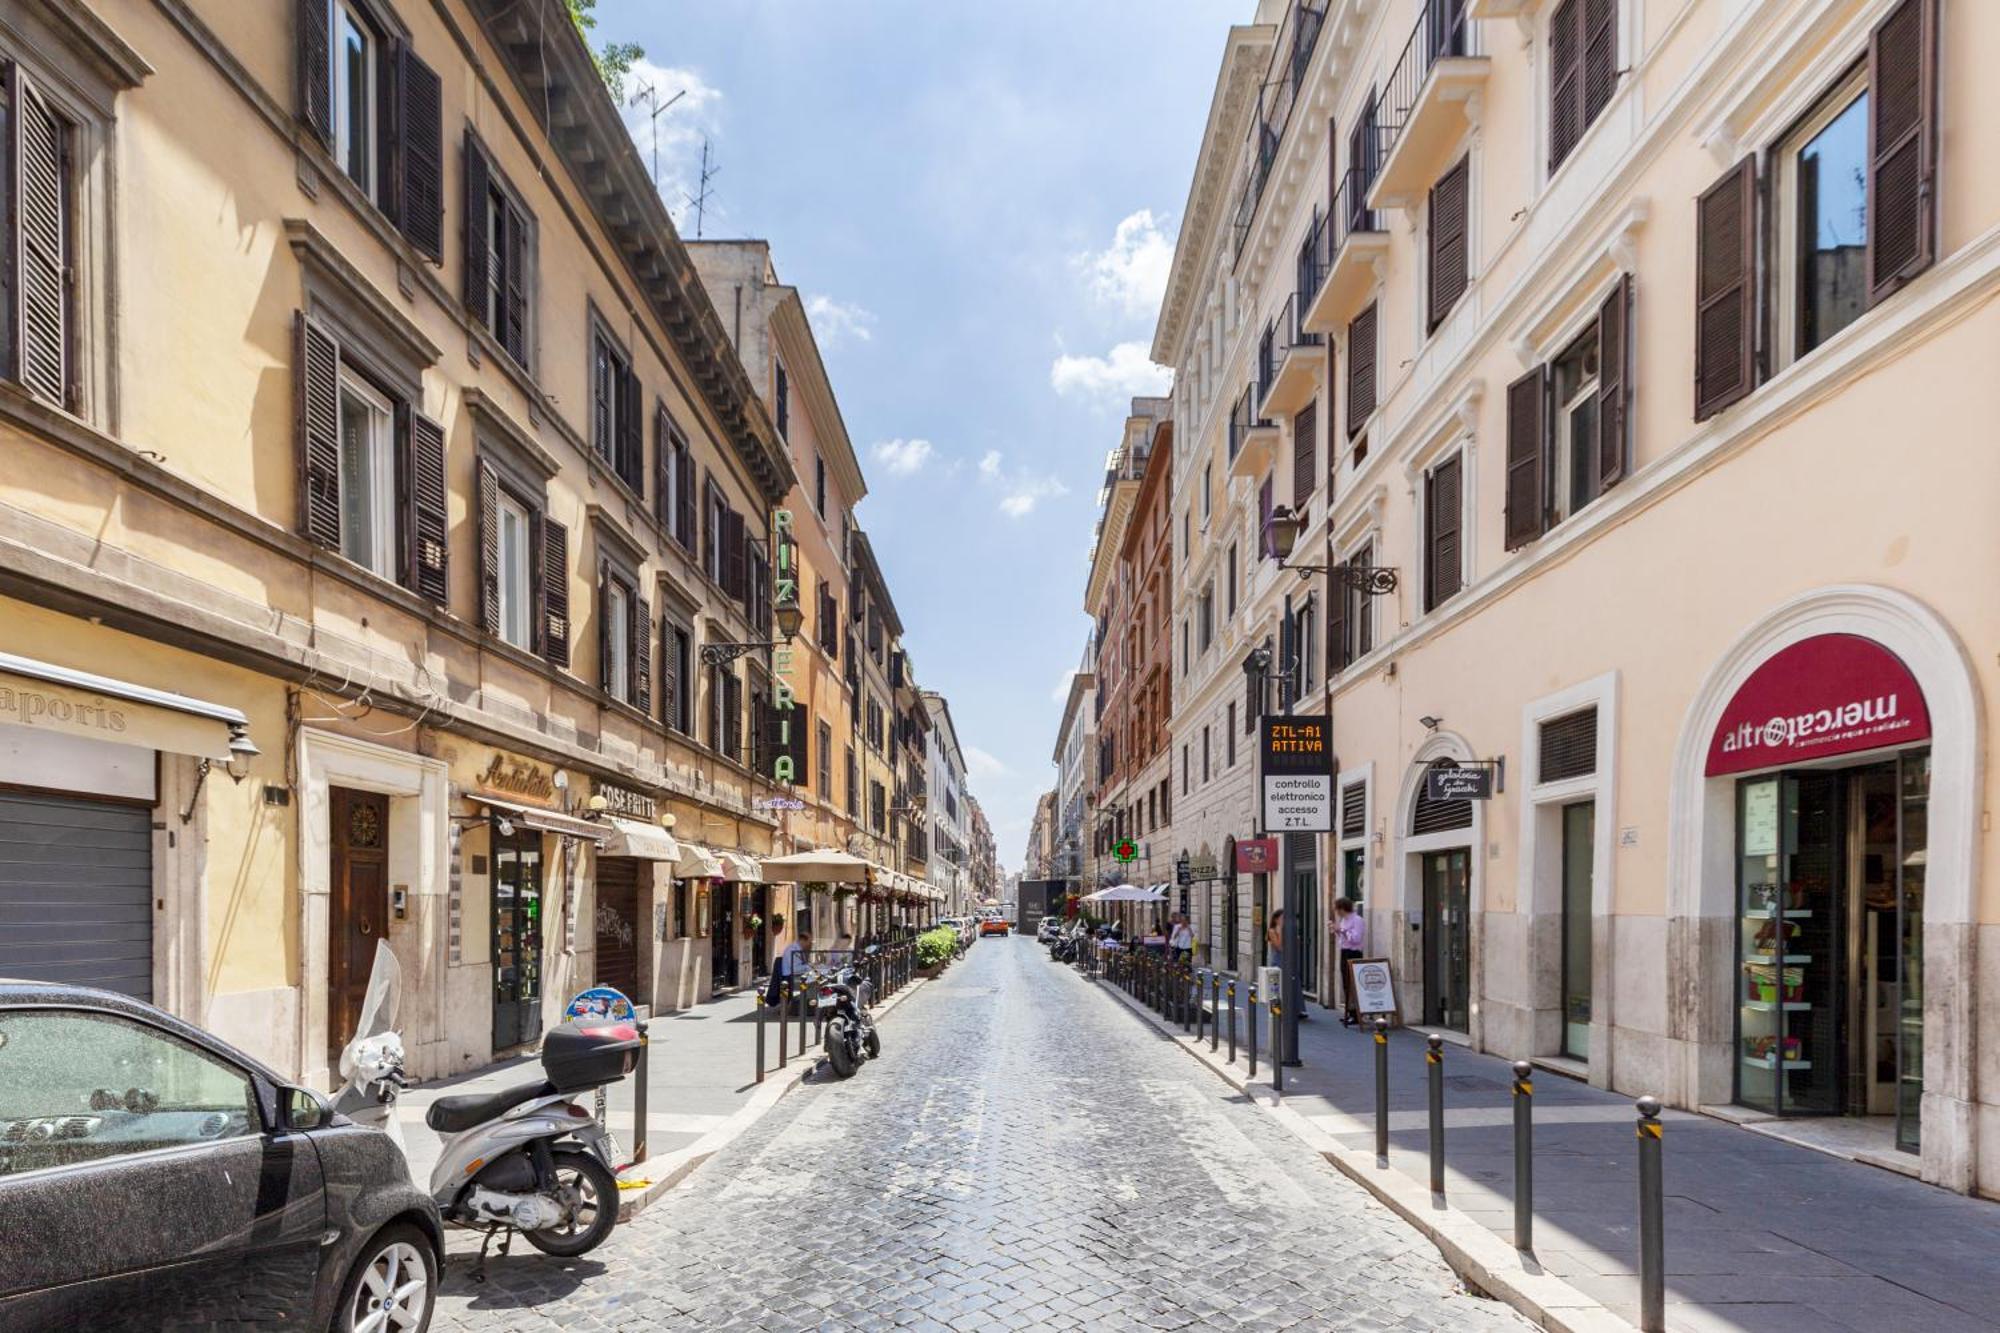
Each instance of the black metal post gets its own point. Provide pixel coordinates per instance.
(784, 1026)
(760, 1039)
(1215, 1012)
(799, 1001)
(639, 1102)
(1524, 1156)
(1382, 1092)
(1250, 1017)
(1278, 1042)
(1434, 1058)
(1232, 1020)
(1652, 1222)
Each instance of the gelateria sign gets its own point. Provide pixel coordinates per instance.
(784, 704)
(1829, 695)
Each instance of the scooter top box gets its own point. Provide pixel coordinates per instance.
(589, 1053)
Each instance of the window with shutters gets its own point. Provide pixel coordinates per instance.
(500, 248)
(1360, 375)
(819, 484)
(1583, 70)
(1449, 245)
(1205, 617)
(617, 640)
(853, 783)
(40, 183)
(1354, 811)
(825, 739)
(673, 484)
(1229, 738)
(1232, 577)
(615, 432)
(1305, 457)
(878, 808)
(367, 477)
(784, 402)
(1444, 522)
(677, 676)
(1567, 424)
(356, 57)
(516, 606)
(1568, 747)
(1821, 198)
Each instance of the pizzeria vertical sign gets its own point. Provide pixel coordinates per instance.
(784, 704)
(1297, 764)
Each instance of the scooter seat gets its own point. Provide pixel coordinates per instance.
(451, 1115)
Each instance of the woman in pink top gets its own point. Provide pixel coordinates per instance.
(1350, 936)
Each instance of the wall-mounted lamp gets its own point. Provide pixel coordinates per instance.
(599, 804)
(241, 751)
(1431, 723)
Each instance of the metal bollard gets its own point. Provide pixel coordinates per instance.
(1382, 1092)
(1232, 1020)
(639, 1101)
(1434, 1058)
(760, 1039)
(784, 1025)
(799, 999)
(1277, 1041)
(1250, 1017)
(1200, 1009)
(1652, 1222)
(1215, 1012)
(1524, 1156)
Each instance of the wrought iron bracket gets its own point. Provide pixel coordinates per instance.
(1373, 580)
(722, 654)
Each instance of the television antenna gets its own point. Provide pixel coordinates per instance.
(650, 94)
(699, 199)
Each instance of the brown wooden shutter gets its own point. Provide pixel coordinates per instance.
(1450, 265)
(735, 556)
(430, 548)
(689, 502)
(420, 141)
(314, 20)
(1902, 146)
(1360, 370)
(513, 330)
(604, 625)
(1566, 46)
(554, 584)
(488, 482)
(1614, 383)
(41, 203)
(670, 675)
(1364, 623)
(1725, 268)
(478, 200)
(663, 468)
(641, 639)
(1339, 650)
(1600, 55)
(317, 413)
(1442, 525)
(1527, 446)
(631, 432)
(1305, 454)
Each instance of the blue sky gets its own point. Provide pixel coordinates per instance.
(979, 203)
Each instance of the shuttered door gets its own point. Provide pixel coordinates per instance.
(618, 924)
(76, 892)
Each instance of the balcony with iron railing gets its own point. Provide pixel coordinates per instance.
(1348, 251)
(1284, 79)
(1430, 100)
(1253, 438)
(1295, 356)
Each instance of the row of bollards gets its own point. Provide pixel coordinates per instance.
(887, 972)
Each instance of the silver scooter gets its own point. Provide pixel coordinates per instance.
(524, 1159)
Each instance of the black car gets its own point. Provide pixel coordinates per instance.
(152, 1176)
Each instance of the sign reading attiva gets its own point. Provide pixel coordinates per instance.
(1297, 764)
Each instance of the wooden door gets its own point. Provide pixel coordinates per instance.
(358, 914)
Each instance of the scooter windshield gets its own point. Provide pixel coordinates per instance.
(379, 1005)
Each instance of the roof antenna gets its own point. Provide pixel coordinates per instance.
(700, 198)
(648, 93)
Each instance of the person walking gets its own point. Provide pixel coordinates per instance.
(1350, 937)
(1274, 942)
(790, 964)
(1181, 939)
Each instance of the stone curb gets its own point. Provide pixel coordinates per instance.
(664, 1172)
(1481, 1258)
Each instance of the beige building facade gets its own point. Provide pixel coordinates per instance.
(375, 483)
(1637, 343)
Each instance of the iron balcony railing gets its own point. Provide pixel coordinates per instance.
(1444, 30)
(1291, 324)
(1267, 360)
(1243, 419)
(1291, 56)
(1350, 214)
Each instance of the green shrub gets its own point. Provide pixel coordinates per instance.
(935, 946)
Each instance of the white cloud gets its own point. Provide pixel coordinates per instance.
(681, 129)
(1020, 490)
(835, 322)
(1132, 273)
(903, 457)
(1060, 694)
(978, 763)
(1127, 372)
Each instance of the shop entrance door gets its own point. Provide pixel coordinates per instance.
(760, 943)
(1447, 938)
(1579, 827)
(722, 962)
(618, 925)
(517, 937)
(1302, 857)
(358, 910)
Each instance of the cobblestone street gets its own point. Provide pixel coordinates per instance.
(1024, 1156)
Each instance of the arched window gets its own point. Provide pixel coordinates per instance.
(1438, 816)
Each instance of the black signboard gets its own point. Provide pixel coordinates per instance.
(1296, 746)
(1459, 784)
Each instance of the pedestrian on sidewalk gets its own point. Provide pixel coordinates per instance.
(1181, 939)
(791, 963)
(1350, 937)
(1274, 941)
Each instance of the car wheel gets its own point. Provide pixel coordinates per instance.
(392, 1287)
(590, 1192)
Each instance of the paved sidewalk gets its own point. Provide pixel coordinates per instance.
(1760, 1234)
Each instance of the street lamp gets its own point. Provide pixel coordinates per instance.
(790, 619)
(1374, 580)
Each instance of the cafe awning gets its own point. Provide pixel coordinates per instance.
(646, 842)
(547, 821)
(80, 703)
(697, 862)
(742, 867)
(825, 867)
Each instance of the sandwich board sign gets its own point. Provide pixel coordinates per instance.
(1296, 756)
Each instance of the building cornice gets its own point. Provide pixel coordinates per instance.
(792, 329)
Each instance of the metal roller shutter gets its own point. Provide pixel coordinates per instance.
(76, 892)
(618, 925)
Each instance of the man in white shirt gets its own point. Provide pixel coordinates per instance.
(1180, 940)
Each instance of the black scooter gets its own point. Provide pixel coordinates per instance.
(851, 1039)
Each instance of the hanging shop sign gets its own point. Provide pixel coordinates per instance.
(517, 777)
(1459, 784)
(784, 592)
(1256, 856)
(1201, 867)
(1297, 764)
(626, 802)
(1829, 695)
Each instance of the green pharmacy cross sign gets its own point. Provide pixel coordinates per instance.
(1126, 850)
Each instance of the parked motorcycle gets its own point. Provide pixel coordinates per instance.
(845, 998)
(524, 1159)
